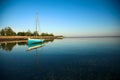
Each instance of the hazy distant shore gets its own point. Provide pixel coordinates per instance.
(93, 37)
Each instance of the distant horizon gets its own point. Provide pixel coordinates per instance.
(88, 36)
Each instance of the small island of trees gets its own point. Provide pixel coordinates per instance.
(8, 31)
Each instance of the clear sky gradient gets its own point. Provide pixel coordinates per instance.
(63, 17)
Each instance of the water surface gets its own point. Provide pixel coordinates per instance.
(66, 59)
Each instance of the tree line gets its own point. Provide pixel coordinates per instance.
(7, 31)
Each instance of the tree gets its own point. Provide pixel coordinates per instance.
(9, 32)
(35, 33)
(2, 32)
(29, 33)
(21, 34)
(51, 34)
(46, 34)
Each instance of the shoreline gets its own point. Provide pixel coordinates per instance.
(15, 38)
(47, 38)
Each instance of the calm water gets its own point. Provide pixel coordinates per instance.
(67, 59)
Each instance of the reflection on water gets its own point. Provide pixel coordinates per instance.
(35, 46)
(67, 59)
(8, 46)
(22, 43)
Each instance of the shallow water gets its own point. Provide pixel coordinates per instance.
(66, 59)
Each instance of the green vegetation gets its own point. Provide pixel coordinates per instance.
(21, 33)
(46, 34)
(9, 32)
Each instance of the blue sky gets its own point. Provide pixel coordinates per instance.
(62, 17)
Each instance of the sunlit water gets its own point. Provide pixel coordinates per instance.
(66, 59)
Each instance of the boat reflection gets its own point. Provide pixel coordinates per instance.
(35, 46)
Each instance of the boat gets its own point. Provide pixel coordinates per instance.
(35, 40)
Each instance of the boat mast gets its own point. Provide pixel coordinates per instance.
(36, 23)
